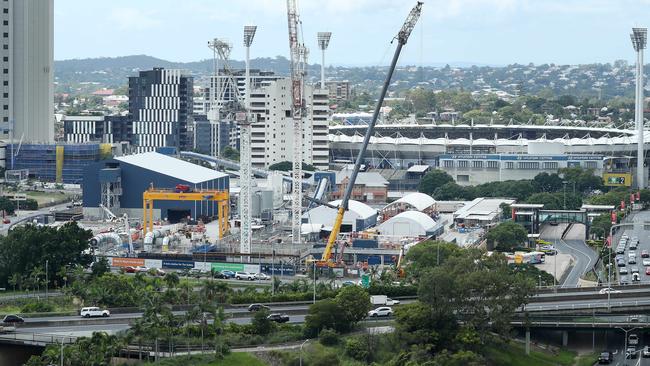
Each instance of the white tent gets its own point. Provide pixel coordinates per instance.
(408, 223)
(358, 212)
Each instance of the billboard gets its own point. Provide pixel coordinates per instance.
(127, 262)
(235, 267)
(177, 264)
(617, 179)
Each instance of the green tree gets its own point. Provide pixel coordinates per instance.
(230, 153)
(355, 302)
(286, 166)
(325, 314)
(425, 255)
(506, 236)
(434, 179)
(7, 205)
(261, 324)
(100, 267)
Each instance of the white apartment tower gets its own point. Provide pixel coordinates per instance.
(271, 137)
(27, 60)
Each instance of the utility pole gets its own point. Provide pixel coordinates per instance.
(47, 279)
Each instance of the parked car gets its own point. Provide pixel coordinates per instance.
(647, 271)
(13, 319)
(633, 245)
(278, 318)
(94, 311)
(156, 272)
(622, 270)
(381, 311)
(646, 352)
(217, 274)
(631, 259)
(609, 290)
(645, 254)
(258, 307)
(631, 353)
(244, 276)
(262, 276)
(636, 277)
(129, 269)
(228, 274)
(605, 358)
(620, 250)
(635, 269)
(621, 263)
(142, 269)
(633, 339)
(624, 280)
(646, 262)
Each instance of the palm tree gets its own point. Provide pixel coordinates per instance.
(187, 289)
(172, 279)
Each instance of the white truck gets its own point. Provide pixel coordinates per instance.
(382, 300)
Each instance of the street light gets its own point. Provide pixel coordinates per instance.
(564, 183)
(303, 343)
(625, 343)
(314, 263)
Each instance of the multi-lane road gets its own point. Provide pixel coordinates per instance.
(573, 243)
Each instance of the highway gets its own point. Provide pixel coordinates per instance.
(584, 257)
(644, 244)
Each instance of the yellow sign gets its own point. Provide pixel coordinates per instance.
(617, 179)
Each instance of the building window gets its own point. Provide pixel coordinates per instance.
(5, 107)
(5, 35)
(551, 165)
(5, 83)
(591, 165)
(493, 164)
(5, 71)
(448, 163)
(5, 95)
(477, 164)
(510, 165)
(528, 165)
(5, 10)
(5, 22)
(463, 163)
(5, 59)
(5, 46)
(5, 119)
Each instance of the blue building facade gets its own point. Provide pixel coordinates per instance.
(120, 182)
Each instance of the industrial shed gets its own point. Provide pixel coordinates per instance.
(119, 183)
(358, 217)
(409, 224)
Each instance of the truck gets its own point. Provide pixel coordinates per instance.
(382, 300)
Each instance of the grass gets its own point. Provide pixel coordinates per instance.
(232, 359)
(513, 354)
(47, 197)
(587, 360)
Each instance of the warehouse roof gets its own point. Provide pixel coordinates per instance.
(172, 167)
(360, 208)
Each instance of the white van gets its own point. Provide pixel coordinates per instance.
(93, 312)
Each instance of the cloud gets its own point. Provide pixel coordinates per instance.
(133, 19)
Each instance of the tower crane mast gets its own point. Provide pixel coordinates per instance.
(402, 38)
(298, 53)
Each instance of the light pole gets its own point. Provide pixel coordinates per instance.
(314, 264)
(540, 280)
(639, 39)
(47, 279)
(625, 343)
(303, 343)
(564, 183)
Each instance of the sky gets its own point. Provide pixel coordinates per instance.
(483, 32)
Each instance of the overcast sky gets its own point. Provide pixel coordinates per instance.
(495, 32)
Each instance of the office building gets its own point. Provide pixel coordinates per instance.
(160, 106)
(338, 90)
(271, 136)
(27, 59)
(108, 129)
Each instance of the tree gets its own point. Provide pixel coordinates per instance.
(355, 302)
(230, 153)
(286, 166)
(261, 324)
(434, 179)
(550, 201)
(548, 182)
(100, 267)
(325, 314)
(506, 236)
(7, 205)
(425, 255)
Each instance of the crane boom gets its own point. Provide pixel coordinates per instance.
(402, 38)
(298, 53)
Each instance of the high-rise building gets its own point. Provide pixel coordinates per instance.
(27, 59)
(338, 90)
(160, 105)
(271, 136)
(108, 129)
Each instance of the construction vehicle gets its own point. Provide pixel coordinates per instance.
(183, 188)
(402, 37)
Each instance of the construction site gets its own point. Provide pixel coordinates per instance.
(189, 210)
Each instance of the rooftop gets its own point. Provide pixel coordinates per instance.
(482, 208)
(172, 167)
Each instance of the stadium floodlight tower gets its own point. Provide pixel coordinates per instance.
(323, 42)
(246, 178)
(639, 38)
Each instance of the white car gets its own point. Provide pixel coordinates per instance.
(142, 269)
(382, 311)
(262, 276)
(94, 312)
(609, 290)
(245, 276)
(646, 262)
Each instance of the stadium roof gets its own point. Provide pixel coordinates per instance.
(176, 168)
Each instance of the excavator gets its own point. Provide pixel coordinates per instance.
(402, 38)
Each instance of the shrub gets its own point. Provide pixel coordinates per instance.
(328, 337)
(356, 349)
(37, 307)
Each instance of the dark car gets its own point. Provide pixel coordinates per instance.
(217, 274)
(257, 307)
(605, 357)
(278, 318)
(228, 274)
(631, 353)
(13, 319)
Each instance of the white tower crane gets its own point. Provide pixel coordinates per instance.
(298, 58)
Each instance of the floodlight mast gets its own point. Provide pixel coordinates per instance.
(639, 39)
(246, 178)
(323, 42)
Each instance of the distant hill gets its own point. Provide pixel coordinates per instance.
(112, 72)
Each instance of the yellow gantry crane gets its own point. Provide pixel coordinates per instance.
(152, 194)
(402, 37)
